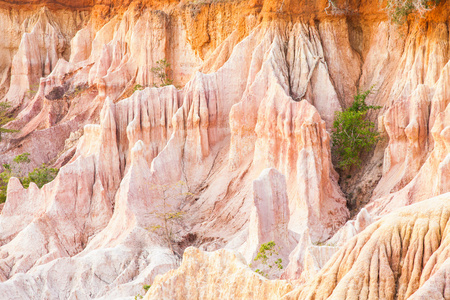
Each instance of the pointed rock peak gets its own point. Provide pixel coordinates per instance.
(297, 258)
(270, 189)
(107, 108)
(271, 202)
(44, 10)
(14, 184)
(137, 152)
(91, 129)
(270, 217)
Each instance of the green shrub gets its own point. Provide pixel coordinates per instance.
(40, 176)
(22, 158)
(13, 169)
(353, 132)
(146, 287)
(4, 179)
(137, 87)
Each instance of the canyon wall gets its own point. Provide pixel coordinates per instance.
(238, 149)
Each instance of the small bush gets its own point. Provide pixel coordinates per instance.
(353, 132)
(268, 259)
(146, 287)
(5, 118)
(22, 158)
(398, 10)
(161, 72)
(137, 87)
(40, 176)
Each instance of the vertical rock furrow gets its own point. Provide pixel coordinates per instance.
(373, 271)
(37, 55)
(421, 143)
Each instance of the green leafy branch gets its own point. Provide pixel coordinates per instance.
(266, 256)
(353, 133)
(39, 176)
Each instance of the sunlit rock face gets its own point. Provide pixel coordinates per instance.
(417, 126)
(392, 259)
(238, 148)
(197, 278)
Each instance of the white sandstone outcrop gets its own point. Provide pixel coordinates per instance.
(222, 274)
(269, 219)
(391, 259)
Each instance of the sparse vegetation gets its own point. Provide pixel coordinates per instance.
(268, 259)
(333, 9)
(326, 243)
(161, 72)
(353, 133)
(137, 87)
(146, 287)
(39, 176)
(33, 90)
(169, 219)
(5, 118)
(77, 91)
(398, 10)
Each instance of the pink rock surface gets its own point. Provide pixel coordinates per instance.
(415, 142)
(269, 220)
(218, 275)
(102, 199)
(249, 139)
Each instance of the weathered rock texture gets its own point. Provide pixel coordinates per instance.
(109, 184)
(392, 259)
(269, 220)
(420, 131)
(221, 274)
(240, 149)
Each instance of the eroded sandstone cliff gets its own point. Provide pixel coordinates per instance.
(240, 145)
